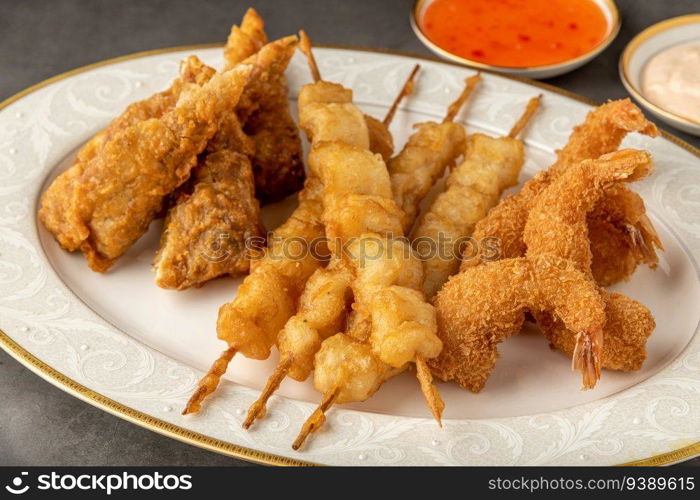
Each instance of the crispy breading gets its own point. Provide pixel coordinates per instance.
(602, 132)
(558, 224)
(485, 304)
(210, 232)
(490, 166)
(102, 207)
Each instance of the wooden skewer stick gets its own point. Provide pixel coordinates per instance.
(463, 97)
(405, 91)
(258, 409)
(531, 108)
(210, 381)
(316, 420)
(430, 392)
(305, 47)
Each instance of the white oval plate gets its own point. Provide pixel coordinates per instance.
(121, 343)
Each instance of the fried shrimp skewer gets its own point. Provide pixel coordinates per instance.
(380, 139)
(104, 206)
(392, 324)
(323, 305)
(430, 150)
(622, 236)
(270, 295)
(324, 302)
(482, 306)
(490, 166)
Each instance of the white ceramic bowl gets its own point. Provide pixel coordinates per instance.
(608, 7)
(647, 44)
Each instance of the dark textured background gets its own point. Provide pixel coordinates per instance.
(41, 425)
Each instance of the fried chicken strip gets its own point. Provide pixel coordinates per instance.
(102, 207)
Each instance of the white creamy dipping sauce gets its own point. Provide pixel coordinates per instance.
(671, 80)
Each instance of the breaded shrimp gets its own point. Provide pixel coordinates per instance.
(558, 224)
(602, 132)
(482, 306)
(477, 310)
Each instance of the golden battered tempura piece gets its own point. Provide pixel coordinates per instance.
(102, 207)
(268, 297)
(430, 150)
(390, 314)
(490, 166)
(265, 114)
(483, 305)
(212, 231)
(602, 132)
(324, 304)
(245, 40)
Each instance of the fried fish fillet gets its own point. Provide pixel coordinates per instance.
(104, 205)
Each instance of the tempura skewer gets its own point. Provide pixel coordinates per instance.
(490, 166)
(463, 97)
(325, 291)
(380, 139)
(268, 296)
(405, 91)
(428, 152)
(360, 210)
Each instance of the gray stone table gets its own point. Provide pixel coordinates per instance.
(41, 425)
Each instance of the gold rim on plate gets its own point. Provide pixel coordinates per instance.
(634, 44)
(78, 390)
(614, 25)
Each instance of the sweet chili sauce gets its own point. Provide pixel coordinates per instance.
(515, 33)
